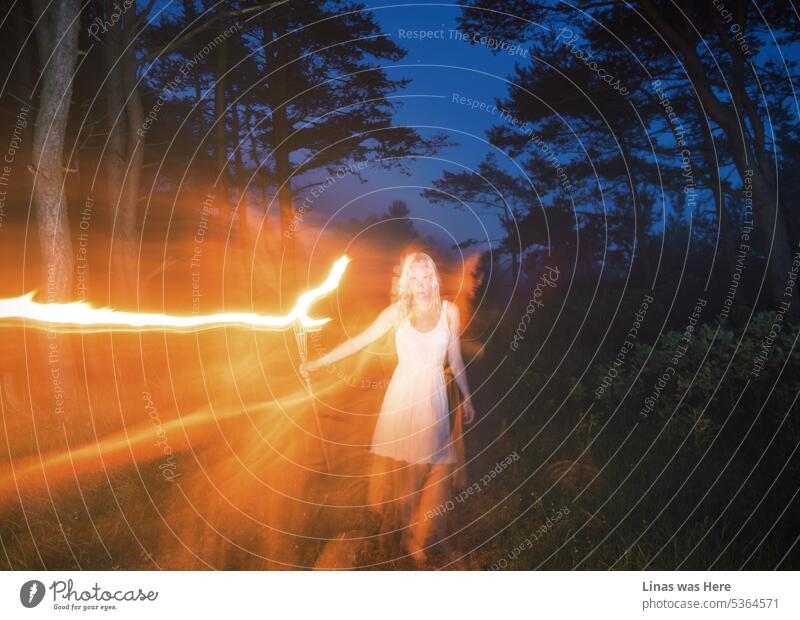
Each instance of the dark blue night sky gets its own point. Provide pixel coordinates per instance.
(439, 69)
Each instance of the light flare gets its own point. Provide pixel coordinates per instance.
(51, 316)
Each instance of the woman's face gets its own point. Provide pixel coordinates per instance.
(420, 281)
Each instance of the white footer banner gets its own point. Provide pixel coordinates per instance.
(387, 595)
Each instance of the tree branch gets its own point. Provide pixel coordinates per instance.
(191, 34)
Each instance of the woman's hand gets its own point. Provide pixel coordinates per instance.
(469, 411)
(307, 368)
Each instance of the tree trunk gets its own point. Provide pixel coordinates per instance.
(25, 78)
(220, 137)
(240, 172)
(124, 154)
(115, 158)
(275, 27)
(199, 170)
(724, 235)
(508, 224)
(644, 276)
(57, 37)
(134, 115)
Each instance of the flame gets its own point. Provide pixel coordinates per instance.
(83, 314)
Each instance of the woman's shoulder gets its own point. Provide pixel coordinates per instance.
(392, 313)
(451, 312)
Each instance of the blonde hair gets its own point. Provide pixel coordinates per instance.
(404, 298)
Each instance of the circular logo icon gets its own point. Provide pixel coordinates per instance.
(31, 593)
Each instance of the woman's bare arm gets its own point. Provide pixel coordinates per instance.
(378, 328)
(456, 360)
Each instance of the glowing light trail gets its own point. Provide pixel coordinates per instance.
(51, 316)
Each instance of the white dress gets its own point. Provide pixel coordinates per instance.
(414, 422)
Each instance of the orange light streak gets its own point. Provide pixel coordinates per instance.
(57, 316)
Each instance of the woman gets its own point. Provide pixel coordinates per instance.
(414, 426)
